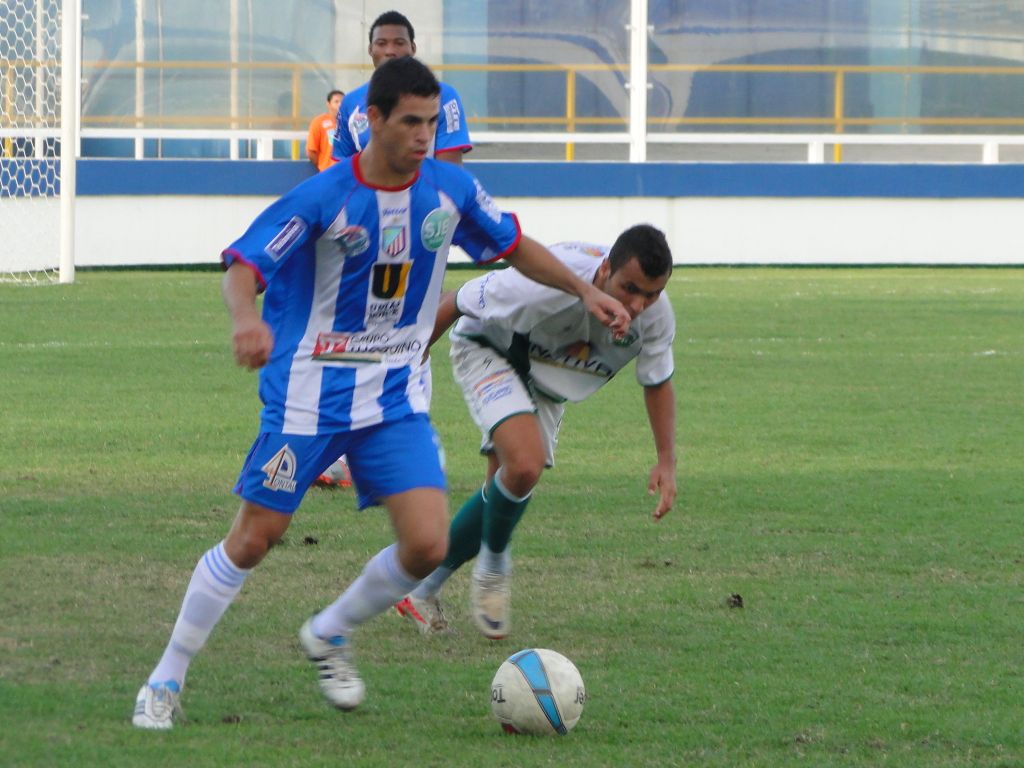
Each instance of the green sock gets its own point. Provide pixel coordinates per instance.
(465, 531)
(501, 515)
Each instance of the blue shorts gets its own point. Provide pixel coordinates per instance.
(384, 459)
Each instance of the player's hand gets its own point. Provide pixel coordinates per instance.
(663, 482)
(253, 343)
(609, 311)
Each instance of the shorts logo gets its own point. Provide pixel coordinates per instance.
(435, 228)
(494, 387)
(491, 394)
(353, 241)
(390, 280)
(283, 241)
(280, 471)
(394, 240)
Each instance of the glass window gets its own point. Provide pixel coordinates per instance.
(550, 66)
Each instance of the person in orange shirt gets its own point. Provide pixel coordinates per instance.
(321, 133)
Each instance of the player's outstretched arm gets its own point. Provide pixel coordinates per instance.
(661, 411)
(250, 336)
(538, 263)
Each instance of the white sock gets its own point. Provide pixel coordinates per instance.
(495, 562)
(215, 583)
(382, 583)
(431, 585)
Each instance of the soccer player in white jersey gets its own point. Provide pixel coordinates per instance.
(351, 263)
(520, 351)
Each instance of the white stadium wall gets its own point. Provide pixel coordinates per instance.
(186, 212)
(120, 231)
(792, 231)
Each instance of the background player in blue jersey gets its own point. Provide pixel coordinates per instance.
(351, 263)
(392, 36)
(520, 352)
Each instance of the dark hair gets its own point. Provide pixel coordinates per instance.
(647, 245)
(330, 94)
(393, 19)
(400, 77)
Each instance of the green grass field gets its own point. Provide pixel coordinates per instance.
(851, 446)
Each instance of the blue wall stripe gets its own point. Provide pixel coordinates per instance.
(190, 177)
(582, 179)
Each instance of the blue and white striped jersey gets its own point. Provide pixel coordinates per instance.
(352, 277)
(353, 130)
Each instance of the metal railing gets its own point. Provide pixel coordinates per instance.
(823, 130)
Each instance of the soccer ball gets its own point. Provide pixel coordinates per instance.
(539, 692)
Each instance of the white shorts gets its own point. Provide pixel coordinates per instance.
(494, 392)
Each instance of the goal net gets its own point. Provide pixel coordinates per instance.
(36, 119)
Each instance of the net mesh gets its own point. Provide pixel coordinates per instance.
(29, 140)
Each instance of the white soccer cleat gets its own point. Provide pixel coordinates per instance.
(157, 706)
(489, 597)
(426, 613)
(339, 679)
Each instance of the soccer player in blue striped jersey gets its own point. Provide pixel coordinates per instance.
(351, 264)
(392, 36)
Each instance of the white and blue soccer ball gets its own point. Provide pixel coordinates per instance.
(539, 692)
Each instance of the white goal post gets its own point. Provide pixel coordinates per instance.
(39, 104)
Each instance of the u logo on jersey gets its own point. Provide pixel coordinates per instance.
(390, 280)
(280, 471)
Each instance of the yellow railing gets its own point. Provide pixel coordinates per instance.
(570, 121)
(838, 121)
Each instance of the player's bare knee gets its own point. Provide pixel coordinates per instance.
(241, 552)
(246, 546)
(521, 474)
(422, 557)
(435, 555)
(436, 552)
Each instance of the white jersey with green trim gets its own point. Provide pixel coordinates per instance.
(571, 354)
